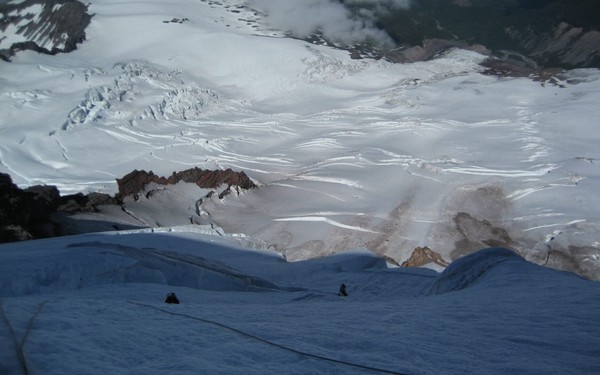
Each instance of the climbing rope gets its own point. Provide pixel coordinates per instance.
(20, 345)
(279, 346)
(20, 355)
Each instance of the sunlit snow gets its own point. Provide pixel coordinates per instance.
(395, 149)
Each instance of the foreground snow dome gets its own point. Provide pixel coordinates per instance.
(95, 304)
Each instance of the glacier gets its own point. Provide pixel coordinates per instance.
(358, 161)
(430, 153)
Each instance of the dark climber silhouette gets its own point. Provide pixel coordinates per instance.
(172, 298)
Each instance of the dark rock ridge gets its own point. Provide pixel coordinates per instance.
(58, 27)
(134, 182)
(477, 234)
(422, 256)
(528, 38)
(540, 33)
(511, 68)
(41, 212)
(27, 213)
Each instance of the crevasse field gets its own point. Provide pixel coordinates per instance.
(354, 157)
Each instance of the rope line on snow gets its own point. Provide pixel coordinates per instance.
(20, 345)
(264, 341)
(30, 325)
(20, 355)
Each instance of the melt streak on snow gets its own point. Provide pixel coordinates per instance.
(336, 144)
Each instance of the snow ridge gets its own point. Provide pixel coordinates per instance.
(469, 270)
(98, 263)
(81, 293)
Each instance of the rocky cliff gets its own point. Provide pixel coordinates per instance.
(40, 211)
(46, 26)
(536, 33)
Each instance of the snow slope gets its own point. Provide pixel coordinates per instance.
(93, 304)
(348, 153)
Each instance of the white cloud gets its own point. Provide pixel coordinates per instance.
(330, 17)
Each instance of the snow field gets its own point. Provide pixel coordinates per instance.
(94, 304)
(348, 153)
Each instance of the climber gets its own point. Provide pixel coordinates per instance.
(172, 298)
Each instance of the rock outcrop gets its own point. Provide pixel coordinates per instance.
(565, 45)
(27, 213)
(40, 211)
(134, 182)
(422, 256)
(58, 27)
(429, 49)
(478, 234)
(540, 34)
(511, 68)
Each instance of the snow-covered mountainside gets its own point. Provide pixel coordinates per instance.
(47, 26)
(94, 304)
(346, 152)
